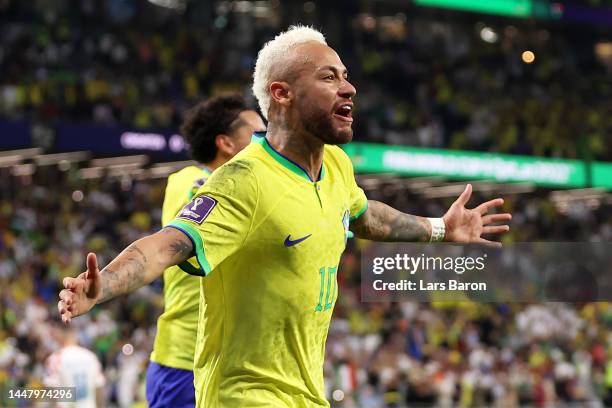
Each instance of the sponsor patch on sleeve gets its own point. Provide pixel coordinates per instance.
(198, 209)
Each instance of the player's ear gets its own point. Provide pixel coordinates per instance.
(281, 92)
(225, 145)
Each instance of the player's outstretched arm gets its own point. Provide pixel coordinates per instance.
(384, 223)
(139, 264)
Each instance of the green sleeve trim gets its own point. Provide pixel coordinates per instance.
(360, 212)
(198, 247)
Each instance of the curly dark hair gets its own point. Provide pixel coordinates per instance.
(206, 120)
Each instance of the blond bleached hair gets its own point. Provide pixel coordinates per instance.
(272, 62)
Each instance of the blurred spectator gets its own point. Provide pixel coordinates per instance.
(74, 366)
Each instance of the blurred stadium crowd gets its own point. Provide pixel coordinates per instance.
(378, 354)
(423, 78)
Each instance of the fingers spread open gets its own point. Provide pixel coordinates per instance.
(486, 206)
(66, 294)
(64, 312)
(488, 219)
(465, 196)
(496, 229)
(69, 283)
(92, 265)
(488, 243)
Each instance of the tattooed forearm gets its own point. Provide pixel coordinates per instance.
(134, 248)
(179, 247)
(109, 284)
(144, 261)
(124, 274)
(383, 223)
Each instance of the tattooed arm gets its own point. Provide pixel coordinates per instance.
(138, 265)
(383, 223)
(143, 261)
(462, 225)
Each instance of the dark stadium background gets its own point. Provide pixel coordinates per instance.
(91, 96)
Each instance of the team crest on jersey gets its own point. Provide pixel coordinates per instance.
(198, 209)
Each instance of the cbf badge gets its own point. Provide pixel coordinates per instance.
(345, 223)
(198, 209)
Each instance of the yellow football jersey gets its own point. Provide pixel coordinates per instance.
(269, 241)
(176, 327)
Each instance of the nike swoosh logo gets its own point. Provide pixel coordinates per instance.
(289, 242)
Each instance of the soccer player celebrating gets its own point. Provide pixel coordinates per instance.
(215, 130)
(268, 229)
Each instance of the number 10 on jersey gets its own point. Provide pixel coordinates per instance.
(329, 287)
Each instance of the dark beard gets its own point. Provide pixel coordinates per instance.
(319, 123)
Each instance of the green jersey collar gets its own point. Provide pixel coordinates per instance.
(285, 161)
(206, 170)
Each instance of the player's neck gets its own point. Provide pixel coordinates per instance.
(300, 147)
(215, 163)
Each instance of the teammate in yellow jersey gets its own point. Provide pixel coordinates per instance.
(268, 229)
(215, 131)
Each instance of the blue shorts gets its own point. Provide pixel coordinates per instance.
(169, 387)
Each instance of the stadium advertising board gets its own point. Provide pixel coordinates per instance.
(541, 9)
(366, 157)
(602, 175)
(15, 134)
(120, 141)
(411, 161)
(517, 8)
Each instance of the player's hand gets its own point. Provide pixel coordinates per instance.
(467, 226)
(80, 293)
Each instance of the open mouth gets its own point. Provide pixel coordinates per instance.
(344, 112)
